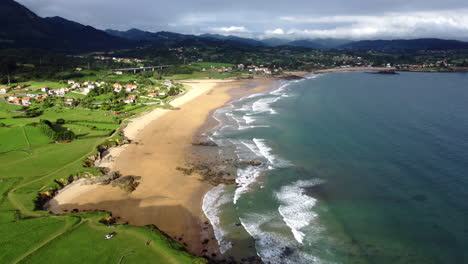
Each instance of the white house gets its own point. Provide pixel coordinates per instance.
(26, 101)
(117, 87)
(86, 90)
(69, 101)
(45, 89)
(130, 99)
(168, 84)
(4, 90)
(130, 87)
(71, 82)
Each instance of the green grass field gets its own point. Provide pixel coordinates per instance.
(30, 163)
(21, 137)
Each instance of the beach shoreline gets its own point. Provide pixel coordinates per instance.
(166, 197)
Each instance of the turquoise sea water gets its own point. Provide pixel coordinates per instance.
(357, 168)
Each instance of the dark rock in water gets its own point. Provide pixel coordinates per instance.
(287, 251)
(291, 77)
(419, 197)
(205, 143)
(385, 72)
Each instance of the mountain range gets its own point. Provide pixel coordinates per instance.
(20, 27)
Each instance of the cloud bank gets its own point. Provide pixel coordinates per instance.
(298, 19)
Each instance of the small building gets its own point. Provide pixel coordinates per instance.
(69, 101)
(130, 99)
(86, 90)
(45, 89)
(71, 82)
(152, 94)
(4, 90)
(62, 91)
(168, 84)
(16, 101)
(76, 86)
(117, 87)
(130, 87)
(26, 101)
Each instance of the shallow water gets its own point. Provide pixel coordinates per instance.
(357, 168)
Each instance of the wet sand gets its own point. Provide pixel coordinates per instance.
(161, 142)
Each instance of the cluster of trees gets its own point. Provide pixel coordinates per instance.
(56, 131)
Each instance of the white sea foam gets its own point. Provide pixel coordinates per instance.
(249, 119)
(270, 245)
(244, 180)
(280, 90)
(265, 150)
(212, 201)
(263, 105)
(296, 206)
(246, 177)
(313, 76)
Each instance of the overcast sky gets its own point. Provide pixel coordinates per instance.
(293, 19)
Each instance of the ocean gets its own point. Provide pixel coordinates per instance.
(355, 168)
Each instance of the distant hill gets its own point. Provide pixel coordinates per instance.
(19, 27)
(161, 37)
(305, 43)
(235, 39)
(275, 42)
(412, 44)
(132, 34)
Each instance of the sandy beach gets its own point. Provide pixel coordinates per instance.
(161, 142)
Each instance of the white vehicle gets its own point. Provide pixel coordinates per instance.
(109, 236)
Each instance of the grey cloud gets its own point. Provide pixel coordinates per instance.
(254, 18)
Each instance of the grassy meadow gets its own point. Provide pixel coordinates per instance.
(31, 164)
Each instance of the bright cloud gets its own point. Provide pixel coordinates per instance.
(231, 29)
(446, 24)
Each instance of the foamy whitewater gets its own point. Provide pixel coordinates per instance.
(354, 168)
(212, 201)
(296, 207)
(246, 114)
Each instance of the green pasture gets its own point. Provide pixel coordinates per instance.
(31, 163)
